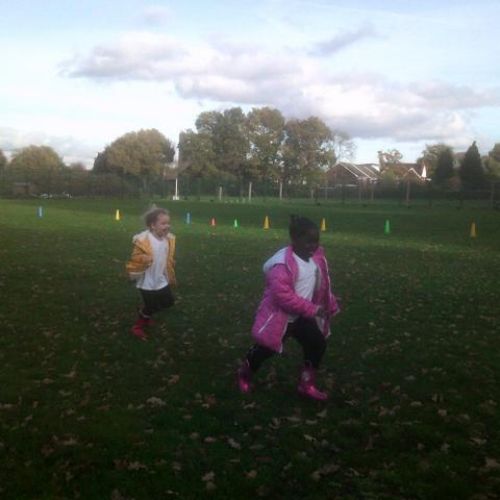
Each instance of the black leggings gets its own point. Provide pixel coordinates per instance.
(307, 334)
(156, 300)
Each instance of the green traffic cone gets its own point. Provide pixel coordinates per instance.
(235, 224)
(387, 227)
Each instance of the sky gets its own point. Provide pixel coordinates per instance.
(392, 74)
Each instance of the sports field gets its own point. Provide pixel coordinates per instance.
(413, 365)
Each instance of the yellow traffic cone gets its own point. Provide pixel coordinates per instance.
(266, 222)
(473, 231)
(117, 215)
(323, 224)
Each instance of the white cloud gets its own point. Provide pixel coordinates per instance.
(386, 74)
(69, 148)
(364, 105)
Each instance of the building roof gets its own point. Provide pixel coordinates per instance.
(360, 171)
(402, 169)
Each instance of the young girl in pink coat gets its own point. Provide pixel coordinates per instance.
(298, 303)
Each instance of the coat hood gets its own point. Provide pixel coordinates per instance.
(280, 257)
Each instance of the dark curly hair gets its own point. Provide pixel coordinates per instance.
(300, 225)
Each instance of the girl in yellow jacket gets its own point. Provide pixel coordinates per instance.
(152, 266)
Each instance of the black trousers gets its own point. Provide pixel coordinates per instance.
(306, 332)
(156, 300)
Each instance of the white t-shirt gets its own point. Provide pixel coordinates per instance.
(154, 277)
(306, 280)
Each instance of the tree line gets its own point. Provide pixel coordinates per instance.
(468, 171)
(225, 148)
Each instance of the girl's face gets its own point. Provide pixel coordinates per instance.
(306, 244)
(161, 226)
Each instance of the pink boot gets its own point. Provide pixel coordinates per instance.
(245, 377)
(307, 385)
(138, 329)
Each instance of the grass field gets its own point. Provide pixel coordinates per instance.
(413, 366)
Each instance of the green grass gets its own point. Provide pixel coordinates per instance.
(413, 364)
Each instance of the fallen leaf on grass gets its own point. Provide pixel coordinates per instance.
(445, 447)
(136, 466)
(324, 471)
(156, 402)
(492, 463)
(234, 444)
(478, 441)
(116, 495)
(208, 479)
(309, 438)
(209, 476)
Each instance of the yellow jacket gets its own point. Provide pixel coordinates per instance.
(142, 257)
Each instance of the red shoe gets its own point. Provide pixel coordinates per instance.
(245, 377)
(307, 386)
(138, 330)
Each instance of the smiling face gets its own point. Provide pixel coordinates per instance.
(306, 244)
(161, 226)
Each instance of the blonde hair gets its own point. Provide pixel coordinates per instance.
(151, 216)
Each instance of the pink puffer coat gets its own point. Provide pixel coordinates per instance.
(280, 300)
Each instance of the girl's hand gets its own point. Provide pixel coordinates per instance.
(321, 312)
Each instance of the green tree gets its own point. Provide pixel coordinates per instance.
(444, 170)
(208, 122)
(390, 156)
(229, 138)
(471, 170)
(101, 165)
(266, 133)
(142, 155)
(309, 150)
(3, 167)
(3, 162)
(232, 145)
(344, 147)
(40, 165)
(431, 155)
(493, 163)
(196, 154)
